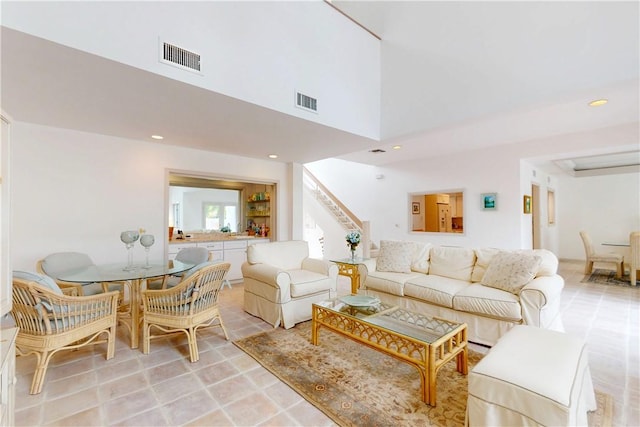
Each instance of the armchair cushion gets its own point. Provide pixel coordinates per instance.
(40, 279)
(284, 255)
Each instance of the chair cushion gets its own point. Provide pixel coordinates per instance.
(395, 256)
(193, 255)
(63, 262)
(305, 282)
(285, 255)
(40, 279)
(510, 271)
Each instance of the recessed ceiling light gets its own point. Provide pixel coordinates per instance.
(598, 102)
(397, 147)
(157, 136)
(273, 156)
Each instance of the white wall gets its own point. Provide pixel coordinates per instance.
(607, 207)
(259, 52)
(76, 191)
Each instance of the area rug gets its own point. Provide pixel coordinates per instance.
(607, 277)
(358, 386)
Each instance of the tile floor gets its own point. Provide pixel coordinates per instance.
(228, 388)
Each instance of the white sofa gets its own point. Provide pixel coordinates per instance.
(281, 282)
(520, 287)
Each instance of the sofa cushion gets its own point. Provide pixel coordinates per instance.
(510, 271)
(305, 282)
(434, 289)
(455, 263)
(395, 256)
(391, 283)
(490, 302)
(483, 258)
(420, 261)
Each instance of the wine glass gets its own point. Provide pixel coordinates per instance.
(129, 238)
(147, 240)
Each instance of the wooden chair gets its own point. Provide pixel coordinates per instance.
(185, 308)
(592, 256)
(50, 321)
(634, 263)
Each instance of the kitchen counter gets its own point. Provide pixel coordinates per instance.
(212, 237)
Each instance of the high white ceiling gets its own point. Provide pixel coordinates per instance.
(455, 76)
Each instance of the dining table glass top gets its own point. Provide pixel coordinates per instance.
(116, 272)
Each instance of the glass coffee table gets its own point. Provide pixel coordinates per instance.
(425, 342)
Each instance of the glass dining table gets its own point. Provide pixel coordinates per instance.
(134, 278)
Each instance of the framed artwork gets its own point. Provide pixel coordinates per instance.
(415, 208)
(489, 201)
(526, 204)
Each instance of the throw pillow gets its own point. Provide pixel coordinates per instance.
(395, 256)
(420, 261)
(511, 271)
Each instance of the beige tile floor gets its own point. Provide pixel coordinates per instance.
(228, 388)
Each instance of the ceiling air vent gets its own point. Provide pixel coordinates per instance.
(306, 102)
(377, 150)
(178, 56)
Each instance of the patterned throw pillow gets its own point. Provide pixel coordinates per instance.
(395, 256)
(511, 271)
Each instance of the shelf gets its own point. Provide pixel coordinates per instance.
(258, 201)
(258, 216)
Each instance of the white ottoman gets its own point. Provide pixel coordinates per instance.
(532, 377)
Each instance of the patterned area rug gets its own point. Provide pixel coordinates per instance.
(358, 386)
(607, 277)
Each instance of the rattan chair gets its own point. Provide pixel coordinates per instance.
(196, 256)
(185, 308)
(55, 264)
(49, 322)
(634, 263)
(593, 256)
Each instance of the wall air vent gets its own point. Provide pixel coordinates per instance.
(175, 55)
(377, 150)
(306, 102)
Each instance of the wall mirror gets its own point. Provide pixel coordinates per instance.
(437, 211)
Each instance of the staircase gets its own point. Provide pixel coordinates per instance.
(340, 212)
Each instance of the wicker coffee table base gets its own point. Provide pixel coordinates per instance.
(426, 357)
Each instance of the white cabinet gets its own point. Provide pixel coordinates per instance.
(174, 248)
(236, 254)
(7, 376)
(216, 250)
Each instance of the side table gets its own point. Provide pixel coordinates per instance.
(349, 267)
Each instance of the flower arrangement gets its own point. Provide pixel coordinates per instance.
(353, 239)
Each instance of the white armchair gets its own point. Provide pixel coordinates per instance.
(281, 282)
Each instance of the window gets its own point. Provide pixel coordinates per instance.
(217, 215)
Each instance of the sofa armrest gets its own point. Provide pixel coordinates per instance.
(364, 269)
(540, 295)
(270, 276)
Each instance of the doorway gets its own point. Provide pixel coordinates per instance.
(535, 216)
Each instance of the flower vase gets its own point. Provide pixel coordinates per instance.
(353, 252)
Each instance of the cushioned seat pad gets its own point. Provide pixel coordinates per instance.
(489, 302)
(434, 289)
(305, 282)
(391, 283)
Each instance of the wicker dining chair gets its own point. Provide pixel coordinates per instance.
(50, 321)
(185, 308)
(53, 265)
(195, 256)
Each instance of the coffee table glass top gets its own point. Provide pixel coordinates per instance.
(391, 317)
(350, 261)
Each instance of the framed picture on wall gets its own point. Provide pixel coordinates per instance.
(415, 208)
(526, 204)
(489, 201)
